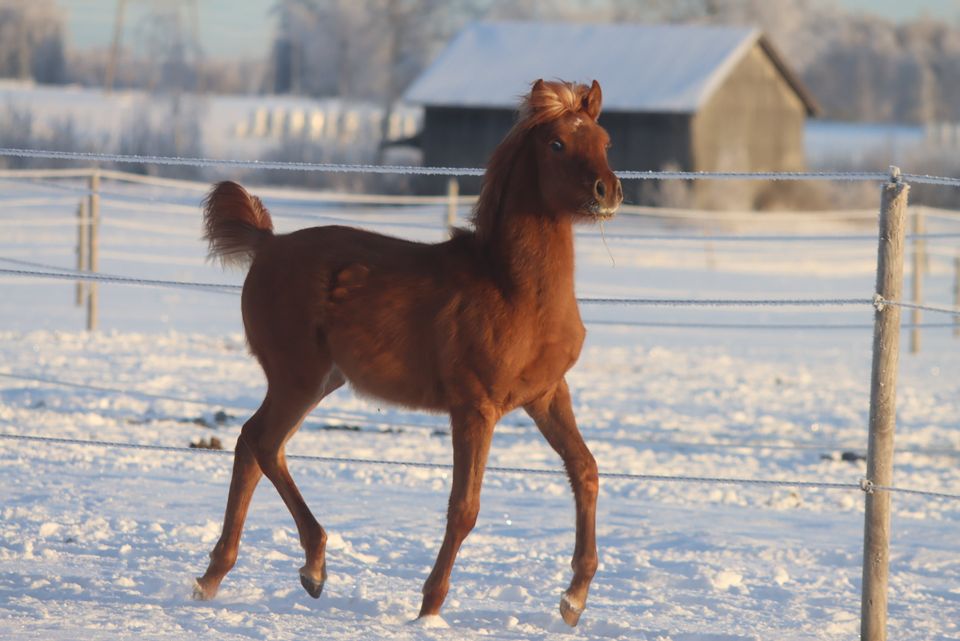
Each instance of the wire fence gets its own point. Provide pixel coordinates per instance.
(38, 176)
(323, 418)
(876, 542)
(862, 485)
(141, 201)
(145, 159)
(765, 238)
(226, 288)
(323, 415)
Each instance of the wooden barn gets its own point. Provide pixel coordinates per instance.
(688, 97)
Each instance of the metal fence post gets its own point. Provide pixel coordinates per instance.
(919, 263)
(453, 195)
(886, 345)
(94, 250)
(83, 229)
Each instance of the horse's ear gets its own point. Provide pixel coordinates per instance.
(592, 101)
(537, 87)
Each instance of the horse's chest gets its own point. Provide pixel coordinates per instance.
(553, 352)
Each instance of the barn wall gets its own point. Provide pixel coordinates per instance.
(457, 137)
(647, 142)
(753, 122)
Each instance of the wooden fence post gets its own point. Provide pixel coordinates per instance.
(93, 256)
(453, 195)
(886, 345)
(83, 242)
(919, 264)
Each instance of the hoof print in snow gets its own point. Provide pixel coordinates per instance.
(341, 428)
(848, 457)
(219, 419)
(213, 443)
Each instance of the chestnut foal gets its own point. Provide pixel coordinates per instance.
(475, 326)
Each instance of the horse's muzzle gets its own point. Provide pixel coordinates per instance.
(607, 194)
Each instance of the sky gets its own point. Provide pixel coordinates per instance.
(230, 28)
(227, 27)
(902, 9)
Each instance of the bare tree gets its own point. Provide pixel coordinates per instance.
(31, 40)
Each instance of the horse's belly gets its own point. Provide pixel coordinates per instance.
(389, 372)
(414, 395)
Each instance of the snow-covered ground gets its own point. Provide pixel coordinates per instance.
(103, 543)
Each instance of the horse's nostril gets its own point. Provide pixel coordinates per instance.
(600, 189)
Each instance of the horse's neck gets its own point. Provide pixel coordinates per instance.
(530, 249)
(533, 255)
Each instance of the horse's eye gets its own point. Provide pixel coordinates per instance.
(556, 145)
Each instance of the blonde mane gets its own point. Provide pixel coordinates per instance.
(547, 102)
(550, 103)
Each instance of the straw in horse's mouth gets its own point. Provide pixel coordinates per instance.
(595, 210)
(603, 213)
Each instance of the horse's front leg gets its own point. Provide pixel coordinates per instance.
(472, 430)
(553, 414)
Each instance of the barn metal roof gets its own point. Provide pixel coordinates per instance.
(642, 68)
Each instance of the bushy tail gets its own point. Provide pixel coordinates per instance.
(235, 224)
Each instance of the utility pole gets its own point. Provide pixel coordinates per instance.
(194, 10)
(24, 50)
(115, 46)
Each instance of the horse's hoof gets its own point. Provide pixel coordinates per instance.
(569, 610)
(313, 587)
(199, 594)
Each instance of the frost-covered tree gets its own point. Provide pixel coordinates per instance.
(367, 49)
(31, 40)
(860, 66)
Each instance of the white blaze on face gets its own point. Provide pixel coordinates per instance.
(577, 123)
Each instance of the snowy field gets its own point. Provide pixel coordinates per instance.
(103, 543)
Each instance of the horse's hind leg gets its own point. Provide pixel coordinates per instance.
(287, 407)
(553, 414)
(246, 475)
(260, 450)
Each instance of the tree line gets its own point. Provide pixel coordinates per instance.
(859, 66)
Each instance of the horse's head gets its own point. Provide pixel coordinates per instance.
(571, 149)
(554, 160)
